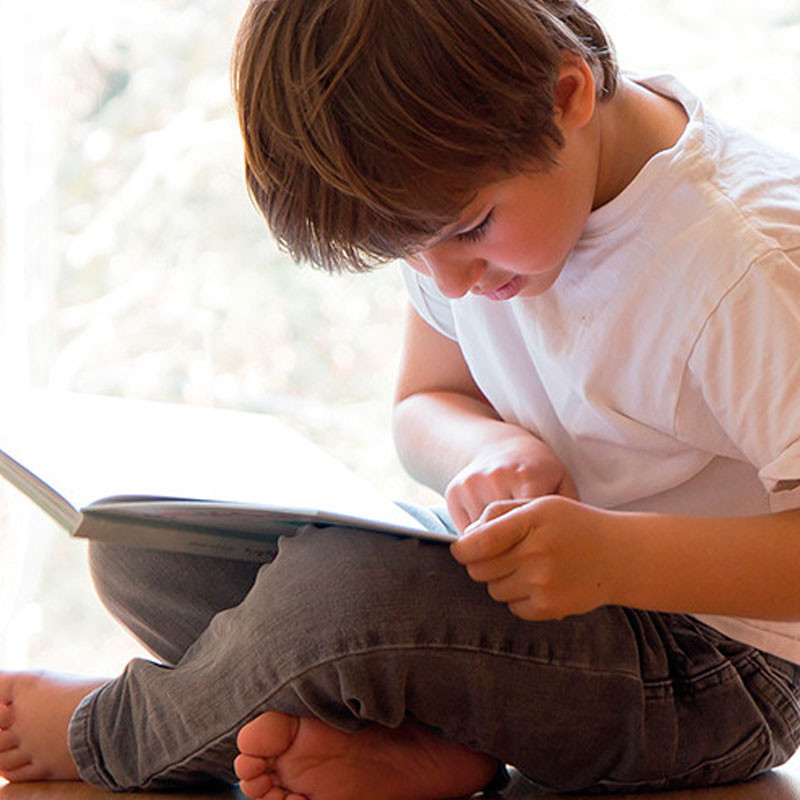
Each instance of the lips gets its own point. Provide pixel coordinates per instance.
(507, 290)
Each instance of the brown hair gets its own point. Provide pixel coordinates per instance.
(369, 124)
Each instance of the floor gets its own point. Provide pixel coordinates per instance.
(79, 791)
(782, 784)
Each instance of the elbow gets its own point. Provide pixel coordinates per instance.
(401, 425)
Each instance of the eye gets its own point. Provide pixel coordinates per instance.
(478, 232)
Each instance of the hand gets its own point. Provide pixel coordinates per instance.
(546, 558)
(521, 468)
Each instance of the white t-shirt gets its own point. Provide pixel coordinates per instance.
(663, 366)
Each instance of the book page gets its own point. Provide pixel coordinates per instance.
(89, 448)
(47, 498)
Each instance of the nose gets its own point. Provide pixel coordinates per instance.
(453, 276)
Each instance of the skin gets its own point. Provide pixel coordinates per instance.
(35, 709)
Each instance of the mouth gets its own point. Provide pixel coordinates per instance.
(507, 290)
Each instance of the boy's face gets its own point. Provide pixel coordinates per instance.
(516, 235)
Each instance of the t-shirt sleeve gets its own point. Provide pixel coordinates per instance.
(746, 365)
(429, 303)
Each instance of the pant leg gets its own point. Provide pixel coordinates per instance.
(356, 628)
(166, 600)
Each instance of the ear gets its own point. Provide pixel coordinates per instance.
(575, 95)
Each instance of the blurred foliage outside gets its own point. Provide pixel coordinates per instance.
(149, 274)
(134, 264)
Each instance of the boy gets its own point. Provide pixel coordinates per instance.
(600, 374)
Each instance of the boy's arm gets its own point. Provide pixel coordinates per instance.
(450, 438)
(741, 566)
(555, 557)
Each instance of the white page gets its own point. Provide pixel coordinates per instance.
(89, 447)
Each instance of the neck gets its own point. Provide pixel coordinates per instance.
(631, 128)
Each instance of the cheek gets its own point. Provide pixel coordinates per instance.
(567, 230)
(528, 250)
(555, 237)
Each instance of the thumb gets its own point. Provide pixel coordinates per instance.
(495, 509)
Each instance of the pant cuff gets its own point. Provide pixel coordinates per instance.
(79, 740)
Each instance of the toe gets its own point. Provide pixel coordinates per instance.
(249, 767)
(6, 687)
(25, 773)
(261, 787)
(267, 736)
(8, 741)
(13, 760)
(6, 715)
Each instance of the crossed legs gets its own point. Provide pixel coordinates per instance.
(354, 652)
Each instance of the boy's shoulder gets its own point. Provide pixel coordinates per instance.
(721, 182)
(763, 185)
(760, 181)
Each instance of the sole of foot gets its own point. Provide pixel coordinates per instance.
(35, 710)
(289, 758)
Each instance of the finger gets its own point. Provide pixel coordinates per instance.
(528, 489)
(532, 611)
(510, 589)
(492, 539)
(493, 569)
(458, 514)
(497, 508)
(465, 506)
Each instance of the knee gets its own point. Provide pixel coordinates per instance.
(340, 582)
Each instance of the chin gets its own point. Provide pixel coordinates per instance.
(536, 287)
(538, 283)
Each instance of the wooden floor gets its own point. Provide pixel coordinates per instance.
(782, 784)
(80, 791)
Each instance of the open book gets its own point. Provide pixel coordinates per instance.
(184, 478)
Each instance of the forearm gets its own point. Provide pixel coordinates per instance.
(438, 433)
(744, 566)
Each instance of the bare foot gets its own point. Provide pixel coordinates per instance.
(35, 709)
(291, 758)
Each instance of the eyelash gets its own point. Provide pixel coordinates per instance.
(478, 232)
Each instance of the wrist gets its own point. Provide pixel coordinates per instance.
(740, 566)
(626, 564)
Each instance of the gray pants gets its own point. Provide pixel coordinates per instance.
(358, 628)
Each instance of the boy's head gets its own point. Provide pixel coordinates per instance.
(369, 124)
